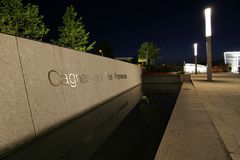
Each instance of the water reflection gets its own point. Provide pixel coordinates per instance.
(82, 136)
(148, 109)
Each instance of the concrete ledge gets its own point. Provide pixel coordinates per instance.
(190, 134)
(185, 77)
(162, 79)
(167, 78)
(161, 87)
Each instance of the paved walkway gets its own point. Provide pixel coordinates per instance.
(205, 123)
(221, 99)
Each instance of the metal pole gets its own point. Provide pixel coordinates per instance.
(209, 58)
(195, 64)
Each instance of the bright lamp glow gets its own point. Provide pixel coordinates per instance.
(195, 49)
(208, 22)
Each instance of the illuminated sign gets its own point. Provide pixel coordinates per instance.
(73, 79)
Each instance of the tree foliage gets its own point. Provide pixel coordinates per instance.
(150, 52)
(20, 20)
(73, 33)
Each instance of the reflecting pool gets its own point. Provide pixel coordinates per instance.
(129, 126)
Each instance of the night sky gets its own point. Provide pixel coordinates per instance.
(173, 25)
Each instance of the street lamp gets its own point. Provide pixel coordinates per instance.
(208, 34)
(101, 52)
(195, 56)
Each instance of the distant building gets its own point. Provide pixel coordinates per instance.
(232, 59)
(190, 68)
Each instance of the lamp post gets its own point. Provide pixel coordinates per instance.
(195, 56)
(208, 33)
(101, 52)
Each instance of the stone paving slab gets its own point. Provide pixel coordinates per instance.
(190, 134)
(205, 123)
(222, 101)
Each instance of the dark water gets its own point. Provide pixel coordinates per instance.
(139, 134)
(129, 126)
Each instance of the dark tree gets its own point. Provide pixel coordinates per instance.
(150, 52)
(73, 33)
(24, 21)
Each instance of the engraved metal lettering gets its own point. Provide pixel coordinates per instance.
(50, 80)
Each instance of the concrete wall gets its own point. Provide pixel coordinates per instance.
(43, 85)
(165, 78)
(88, 132)
(165, 82)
